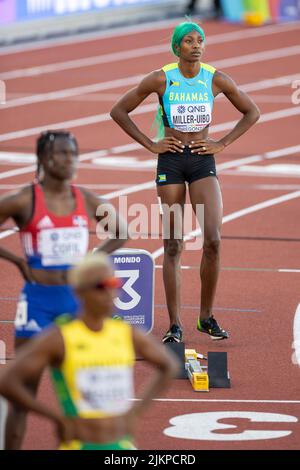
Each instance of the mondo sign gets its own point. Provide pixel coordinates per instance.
(134, 303)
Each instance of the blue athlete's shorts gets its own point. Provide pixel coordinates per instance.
(39, 306)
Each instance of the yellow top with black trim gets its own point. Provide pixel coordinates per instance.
(95, 379)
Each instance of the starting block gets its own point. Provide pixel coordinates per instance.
(218, 370)
(202, 377)
(198, 378)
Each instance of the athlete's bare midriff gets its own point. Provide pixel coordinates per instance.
(51, 278)
(186, 137)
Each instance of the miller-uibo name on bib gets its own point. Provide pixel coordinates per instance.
(191, 117)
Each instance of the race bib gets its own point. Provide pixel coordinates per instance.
(190, 117)
(60, 246)
(106, 389)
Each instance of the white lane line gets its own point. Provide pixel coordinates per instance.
(72, 123)
(133, 80)
(148, 184)
(100, 35)
(85, 62)
(124, 55)
(282, 270)
(69, 92)
(7, 233)
(17, 171)
(290, 169)
(133, 189)
(95, 119)
(231, 164)
(208, 400)
(296, 333)
(274, 115)
(32, 168)
(238, 214)
(7, 187)
(259, 57)
(263, 174)
(262, 187)
(286, 270)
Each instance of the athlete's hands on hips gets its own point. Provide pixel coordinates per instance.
(168, 144)
(24, 269)
(206, 146)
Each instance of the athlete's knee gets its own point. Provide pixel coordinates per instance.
(173, 248)
(211, 246)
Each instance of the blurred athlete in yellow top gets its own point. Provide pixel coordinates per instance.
(92, 361)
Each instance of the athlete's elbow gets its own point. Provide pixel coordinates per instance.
(115, 113)
(255, 114)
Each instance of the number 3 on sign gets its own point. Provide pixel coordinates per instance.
(132, 275)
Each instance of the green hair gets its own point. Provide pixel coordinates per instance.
(182, 30)
(179, 32)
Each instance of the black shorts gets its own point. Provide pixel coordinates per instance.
(176, 168)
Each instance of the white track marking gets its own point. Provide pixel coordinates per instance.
(289, 270)
(151, 184)
(258, 57)
(105, 34)
(282, 169)
(201, 426)
(133, 189)
(133, 80)
(71, 92)
(7, 187)
(17, 171)
(282, 270)
(16, 157)
(238, 214)
(105, 58)
(136, 29)
(296, 332)
(86, 121)
(272, 116)
(7, 233)
(211, 400)
(32, 168)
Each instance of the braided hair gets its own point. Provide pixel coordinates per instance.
(45, 145)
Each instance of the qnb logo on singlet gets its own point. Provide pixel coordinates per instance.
(190, 117)
(62, 246)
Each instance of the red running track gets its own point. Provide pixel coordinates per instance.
(257, 298)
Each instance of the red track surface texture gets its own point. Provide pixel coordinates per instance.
(257, 297)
